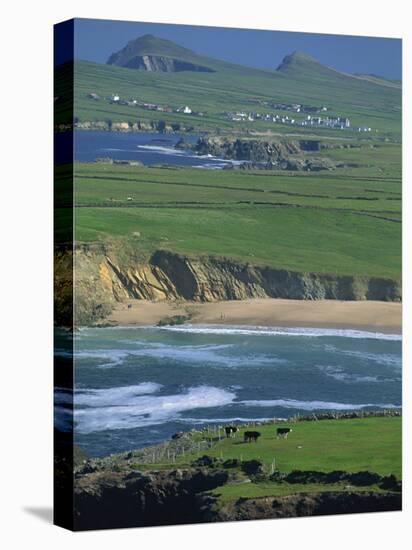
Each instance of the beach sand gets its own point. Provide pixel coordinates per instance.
(362, 315)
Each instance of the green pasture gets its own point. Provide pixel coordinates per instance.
(329, 223)
(352, 445)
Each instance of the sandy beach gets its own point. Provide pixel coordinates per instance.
(362, 315)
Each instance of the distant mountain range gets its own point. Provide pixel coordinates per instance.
(150, 53)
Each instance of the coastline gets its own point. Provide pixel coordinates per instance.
(373, 316)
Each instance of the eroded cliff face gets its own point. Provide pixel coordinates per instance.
(102, 280)
(170, 276)
(157, 63)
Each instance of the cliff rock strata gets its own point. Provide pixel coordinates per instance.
(170, 276)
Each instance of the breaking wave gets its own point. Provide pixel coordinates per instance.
(280, 331)
(122, 410)
(213, 353)
(340, 375)
(315, 405)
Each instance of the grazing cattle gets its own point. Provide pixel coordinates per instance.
(251, 436)
(231, 431)
(283, 432)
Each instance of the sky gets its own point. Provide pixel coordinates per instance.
(96, 40)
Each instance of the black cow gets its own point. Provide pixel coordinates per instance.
(283, 432)
(251, 436)
(231, 430)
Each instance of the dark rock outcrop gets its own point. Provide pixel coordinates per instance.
(105, 500)
(308, 504)
(119, 498)
(258, 154)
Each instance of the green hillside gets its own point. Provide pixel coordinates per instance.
(300, 79)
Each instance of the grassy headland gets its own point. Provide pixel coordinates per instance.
(351, 445)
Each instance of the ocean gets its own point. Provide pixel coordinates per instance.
(148, 148)
(137, 386)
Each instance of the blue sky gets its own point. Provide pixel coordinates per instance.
(96, 39)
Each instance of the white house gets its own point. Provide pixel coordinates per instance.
(115, 97)
(187, 110)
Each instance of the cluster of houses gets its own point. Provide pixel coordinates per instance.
(339, 122)
(268, 117)
(329, 122)
(294, 107)
(116, 99)
(342, 123)
(297, 107)
(250, 117)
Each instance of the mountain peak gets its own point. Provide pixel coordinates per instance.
(150, 44)
(150, 53)
(302, 65)
(297, 58)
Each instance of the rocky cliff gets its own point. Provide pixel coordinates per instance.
(105, 500)
(171, 276)
(119, 496)
(102, 279)
(280, 154)
(308, 504)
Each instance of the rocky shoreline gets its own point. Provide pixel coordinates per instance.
(269, 155)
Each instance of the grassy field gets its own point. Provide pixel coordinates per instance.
(352, 445)
(345, 222)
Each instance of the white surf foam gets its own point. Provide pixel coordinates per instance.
(164, 150)
(315, 405)
(227, 420)
(213, 354)
(340, 375)
(281, 331)
(124, 395)
(148, 410)
(387, 359)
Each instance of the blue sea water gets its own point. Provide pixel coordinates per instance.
(138, 386)
(149, 148)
